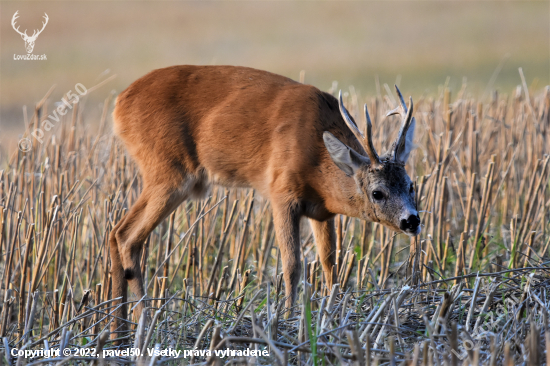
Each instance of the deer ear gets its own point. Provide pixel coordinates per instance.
(347, 159)
(409, 145)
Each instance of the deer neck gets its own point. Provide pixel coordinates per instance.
(341, 194)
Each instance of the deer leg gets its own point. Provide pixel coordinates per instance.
(286, 220)
(126, 242)
(325, 241)
(118, 283)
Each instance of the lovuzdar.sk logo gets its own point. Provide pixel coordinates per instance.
(29, 40)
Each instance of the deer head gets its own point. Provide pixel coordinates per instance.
(382, 180)
(29, 41)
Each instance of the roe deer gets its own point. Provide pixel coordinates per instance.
(190, 127)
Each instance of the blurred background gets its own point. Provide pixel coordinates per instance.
(420, 45)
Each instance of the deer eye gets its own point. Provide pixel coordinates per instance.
(411, 190)
(377, 195)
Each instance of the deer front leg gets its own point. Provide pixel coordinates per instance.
(287, 229)
(325, 240)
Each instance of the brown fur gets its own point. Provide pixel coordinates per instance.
(189, 127)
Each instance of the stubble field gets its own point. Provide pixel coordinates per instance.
(471, 289)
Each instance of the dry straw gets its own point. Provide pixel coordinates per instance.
(472, 289)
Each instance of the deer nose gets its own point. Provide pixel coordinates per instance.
(410, 224)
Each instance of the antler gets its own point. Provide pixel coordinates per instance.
(13, 24)
(406, 113)
(365, 142)
(34, 35)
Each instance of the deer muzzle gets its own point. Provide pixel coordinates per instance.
(410, 225)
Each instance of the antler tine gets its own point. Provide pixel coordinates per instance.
(365, 142)
(400, 109)
(349, 122)
(396, 110)
(369, 146)
(401, 98)
(400, 143)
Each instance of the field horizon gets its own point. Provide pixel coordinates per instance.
(422, 46)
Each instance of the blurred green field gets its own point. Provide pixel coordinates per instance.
(418, 44)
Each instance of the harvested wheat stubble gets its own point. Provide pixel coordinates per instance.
(471, 289)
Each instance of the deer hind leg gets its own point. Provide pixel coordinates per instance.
(119, 286)
(325, 240)
(126, 242)
(286, 220)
